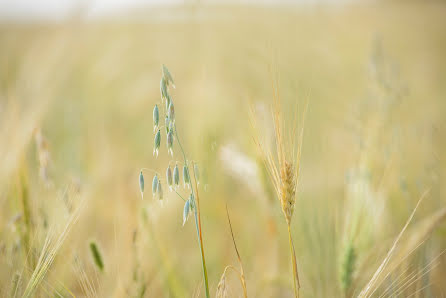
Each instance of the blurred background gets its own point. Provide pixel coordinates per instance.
(78, 83)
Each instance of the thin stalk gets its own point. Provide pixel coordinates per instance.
(197, 220)
(241, 273)
(293, 257)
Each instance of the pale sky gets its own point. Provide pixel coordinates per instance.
(60, 9)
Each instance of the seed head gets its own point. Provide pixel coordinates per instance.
(167, 124)
(284, 164)
(287, 190)
(163, 88)
(192, 201)
(170, 142)
(168, 76)
(156, 117)
(169, 178)
(171, 113)
(141, 184)
(186, 211)
(157, 143)
(168, 101)
(159, 191)
(154, 185)
(186, 177)
(176, 176)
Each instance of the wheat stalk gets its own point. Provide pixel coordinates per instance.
(283, 168)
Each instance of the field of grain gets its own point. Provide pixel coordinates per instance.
(76, 128)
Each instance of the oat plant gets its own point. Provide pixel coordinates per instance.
(172, 174)
(283, 166)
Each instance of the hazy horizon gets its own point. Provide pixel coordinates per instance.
(28, 10)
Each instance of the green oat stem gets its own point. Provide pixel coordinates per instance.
(197, 219)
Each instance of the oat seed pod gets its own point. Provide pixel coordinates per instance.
(154, 185)
(159, 191)
(197, 173)
(192, 201)
(163, 88)
(168, 101)
(171, 113)
(186, 211)
(141, 184)
(156, 117)
(168, 76)
(186, 177)
(169, 178)
(167, 124)
(170, 142)
(157, 143)
(176, 176)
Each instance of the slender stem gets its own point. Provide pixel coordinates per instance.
(147, 169)
(293, 257)
(197, 220)
(241, 273)
(180, 195)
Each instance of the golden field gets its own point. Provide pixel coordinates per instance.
(76, 102)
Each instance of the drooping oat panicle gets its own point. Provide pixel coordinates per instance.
(192, 204)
